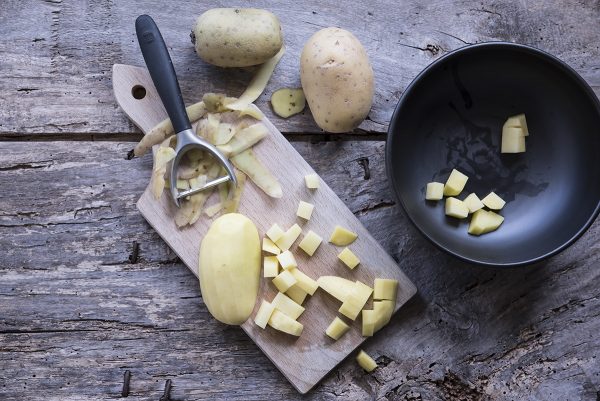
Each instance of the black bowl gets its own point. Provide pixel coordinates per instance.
(451, 116)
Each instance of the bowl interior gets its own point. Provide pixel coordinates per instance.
(452, 116)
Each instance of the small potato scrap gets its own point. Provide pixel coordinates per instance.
(288, 101)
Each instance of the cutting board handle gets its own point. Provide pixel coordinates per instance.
(136, 95)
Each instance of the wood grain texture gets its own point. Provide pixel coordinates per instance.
(75, 313)
(304, 361)
(57, 55)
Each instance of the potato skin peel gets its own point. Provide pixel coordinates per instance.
(164, 129)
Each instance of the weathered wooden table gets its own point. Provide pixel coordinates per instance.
(80, 304)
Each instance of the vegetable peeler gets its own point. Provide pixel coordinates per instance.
(163, 75)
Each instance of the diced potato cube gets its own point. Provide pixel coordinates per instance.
(275, 232)
(342, 237)
(296, 293)
(286, 260)
(264, 314)
(513, 140)
(338, 287)
(493, 201)
(456, 208)
(384, 310)
(349, 258)
(312, 181)
(484, 222)
(286, 305)
(384, 288)
(303, 281)
(369, 319)
(455, 184)
(494, 221)
(473, 203)
(270, 266)
(517, 121)
(337, 328)
(435, 191)
(356, 300)
(310, 243)
(365, 361)
(305, 210)
(289, 237)
(270, 247)
(282, 322)
(284, 280)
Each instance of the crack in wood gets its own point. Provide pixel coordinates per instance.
(364, 163)
(370, 208)
(313, 137)
(28, 166)
(58, 223)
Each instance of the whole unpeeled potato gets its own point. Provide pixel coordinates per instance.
(337, 79)
(237, 37)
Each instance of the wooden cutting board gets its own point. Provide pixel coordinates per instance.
(304, 361)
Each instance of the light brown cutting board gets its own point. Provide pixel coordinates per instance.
(304, 361)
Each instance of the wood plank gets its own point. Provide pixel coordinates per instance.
(75, 314)
(55, 64)
(304, 361)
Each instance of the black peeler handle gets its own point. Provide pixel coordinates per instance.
(161, 70)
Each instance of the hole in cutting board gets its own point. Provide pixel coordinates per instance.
(138, 92)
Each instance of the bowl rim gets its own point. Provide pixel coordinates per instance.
(424, 73)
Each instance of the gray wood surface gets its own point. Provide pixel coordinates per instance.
(76, 312)
(57, 55)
